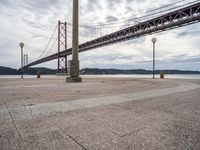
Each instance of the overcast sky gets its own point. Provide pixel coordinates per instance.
(33, 21)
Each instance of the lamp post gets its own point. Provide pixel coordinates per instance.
(21, 45)
(154, 43)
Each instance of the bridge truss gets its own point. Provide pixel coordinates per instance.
(175, 19)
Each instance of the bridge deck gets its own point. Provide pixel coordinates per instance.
(178, 18)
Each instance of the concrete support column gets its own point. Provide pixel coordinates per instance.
(73, 68)
(75, 37)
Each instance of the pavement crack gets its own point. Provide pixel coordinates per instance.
(52, 110)
(13, 121)
(73, 139)
(133, 132)
(115, 133)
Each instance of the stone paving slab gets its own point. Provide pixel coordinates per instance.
(27, 112)
(169, 120)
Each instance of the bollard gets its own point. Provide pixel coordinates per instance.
(38, 74)
(162, 75)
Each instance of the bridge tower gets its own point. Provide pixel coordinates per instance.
(62, 45)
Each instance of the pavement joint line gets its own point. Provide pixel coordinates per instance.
(73, 139)
(133, 132)
(66, 132)
(13, 121)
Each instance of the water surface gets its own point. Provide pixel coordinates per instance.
(167, 76)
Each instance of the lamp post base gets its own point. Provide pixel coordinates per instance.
(73, 71)
(73, 79)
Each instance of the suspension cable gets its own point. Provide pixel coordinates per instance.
(48, 42)
(137, 19)
(51, 47)
(144, 17)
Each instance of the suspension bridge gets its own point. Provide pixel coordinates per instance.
(168, 17)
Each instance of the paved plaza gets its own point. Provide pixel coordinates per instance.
(99, 113)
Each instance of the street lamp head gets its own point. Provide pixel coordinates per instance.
(154, 40)
(21, 44)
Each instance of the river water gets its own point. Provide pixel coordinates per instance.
(170, 76)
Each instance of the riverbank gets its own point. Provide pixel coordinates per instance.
(147, 76)
(100, 113)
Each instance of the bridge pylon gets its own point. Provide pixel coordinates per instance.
(62, 45)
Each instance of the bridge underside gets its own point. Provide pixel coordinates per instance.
(178, 18)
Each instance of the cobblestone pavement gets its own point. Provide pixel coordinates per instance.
(100, 113)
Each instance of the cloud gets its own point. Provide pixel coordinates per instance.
(111, 18)
(188, 34)
(186, 59)
(34, 21)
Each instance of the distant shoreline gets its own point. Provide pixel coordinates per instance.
(120, 76)
(95, 71)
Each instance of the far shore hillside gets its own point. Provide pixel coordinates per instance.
(91, 71)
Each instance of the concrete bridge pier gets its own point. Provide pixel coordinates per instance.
(73, 68)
